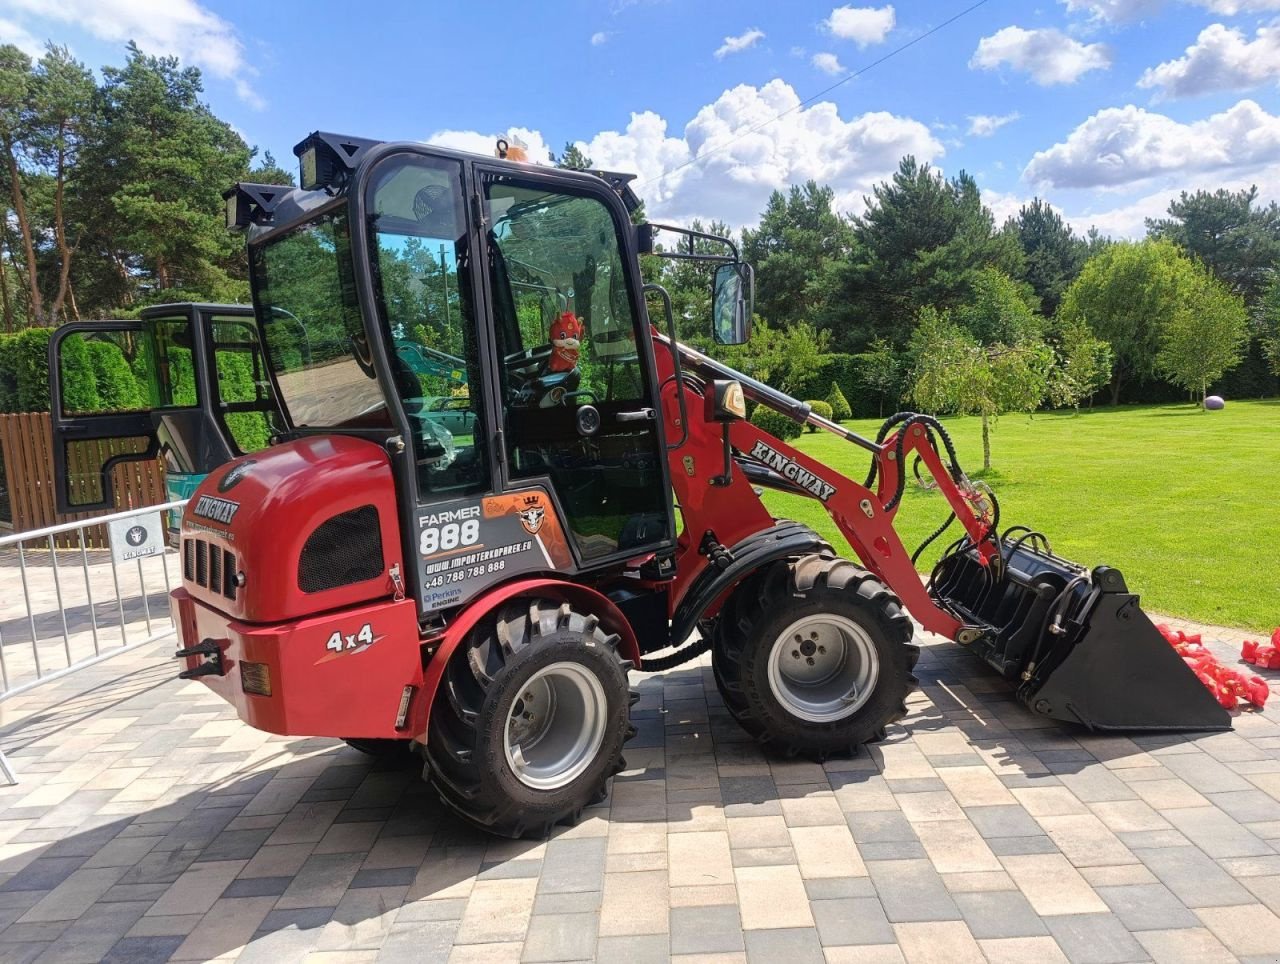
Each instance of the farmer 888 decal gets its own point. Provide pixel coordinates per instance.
(468, 545)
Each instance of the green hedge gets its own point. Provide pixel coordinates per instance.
(96, 377)
(843, 371)
(775, 423)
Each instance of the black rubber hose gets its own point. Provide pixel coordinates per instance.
(932, 536)
(931, 423)
(881, 434)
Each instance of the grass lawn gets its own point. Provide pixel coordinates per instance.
(1186, 504)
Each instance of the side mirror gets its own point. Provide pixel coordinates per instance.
(732, 294)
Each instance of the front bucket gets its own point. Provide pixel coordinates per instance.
(1077, 643)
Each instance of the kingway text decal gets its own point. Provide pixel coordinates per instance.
(790, 470)
(219, 510)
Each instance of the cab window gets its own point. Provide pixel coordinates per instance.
(423, 281)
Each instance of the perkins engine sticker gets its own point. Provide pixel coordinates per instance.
(467, 546)
(219, 510)
(791, 470)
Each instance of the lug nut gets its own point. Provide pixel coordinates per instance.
(813, 635)
(795, 653)
(799, 638)
(809, 660)
(822, 649)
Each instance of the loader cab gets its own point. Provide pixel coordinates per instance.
(185, 382)
(484, 322)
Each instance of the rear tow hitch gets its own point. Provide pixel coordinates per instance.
(1074, 641)
(211, 667)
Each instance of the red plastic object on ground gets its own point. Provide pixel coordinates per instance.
(1228, 686)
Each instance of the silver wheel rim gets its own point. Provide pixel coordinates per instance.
(555, 726)
(823, 668)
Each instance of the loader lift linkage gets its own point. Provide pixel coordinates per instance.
(498, 487)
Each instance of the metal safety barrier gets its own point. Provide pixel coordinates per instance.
(62, 609)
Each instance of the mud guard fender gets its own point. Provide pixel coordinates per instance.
(582, 597)
(781, 541)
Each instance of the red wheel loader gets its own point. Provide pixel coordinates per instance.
(467, 561)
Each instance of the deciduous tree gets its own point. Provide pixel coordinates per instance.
(1205, 336)
(956, 373)
(1125, 294)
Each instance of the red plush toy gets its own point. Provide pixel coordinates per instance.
(566, 343)
(1260, 654)
(1227, 685)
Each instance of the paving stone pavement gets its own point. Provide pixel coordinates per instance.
(151, 825)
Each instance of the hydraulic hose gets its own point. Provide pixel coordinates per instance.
(931, 424)
(682, 655)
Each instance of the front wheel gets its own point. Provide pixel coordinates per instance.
(530, 719)
(813, 656)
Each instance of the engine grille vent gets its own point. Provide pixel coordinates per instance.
(344, 550)
(208, 566)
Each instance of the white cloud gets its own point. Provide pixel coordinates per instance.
(984, 125)
(1221, 59)
(1127, 145)
(20, 37)
(1115, 11)
(1123, 11)
(1048, 55)
(735, 170)
(828, 64)
(863, 25)
(182, 28)
(734, 45)
(741, 169)
(477, 143)
(599, 38)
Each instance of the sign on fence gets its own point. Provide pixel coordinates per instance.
(136, 537)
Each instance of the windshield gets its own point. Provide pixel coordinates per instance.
(314, 340)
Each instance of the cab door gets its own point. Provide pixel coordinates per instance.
(100, 409)
(575, 363)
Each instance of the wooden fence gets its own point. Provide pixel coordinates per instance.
(26, 446)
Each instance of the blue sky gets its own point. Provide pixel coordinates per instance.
(1105, 107)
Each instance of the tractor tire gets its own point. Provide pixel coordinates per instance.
(383, 750)
(813, 657)
(529, 721)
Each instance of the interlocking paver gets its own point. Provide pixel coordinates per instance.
(156, 824)
(795, 945)
(853, 920)
(1095, 939)
(706, 930)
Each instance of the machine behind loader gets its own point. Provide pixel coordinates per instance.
(479, 589)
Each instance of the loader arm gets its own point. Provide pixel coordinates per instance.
(1074, 641)
(864, 517)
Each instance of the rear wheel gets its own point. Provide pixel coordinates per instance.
(530, 719)
(813, 656)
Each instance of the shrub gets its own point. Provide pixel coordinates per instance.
(118, 390)
(31, 362)
(819, 407)
(8, 375)
(840, 409)
(775, 423)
